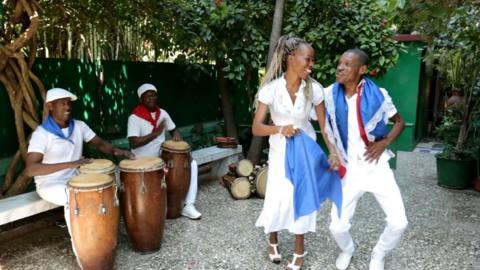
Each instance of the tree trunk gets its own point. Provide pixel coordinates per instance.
(257, 142)
(225, 100)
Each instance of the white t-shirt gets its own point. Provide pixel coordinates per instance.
(57, 150)
(356, 145)
(138, 127)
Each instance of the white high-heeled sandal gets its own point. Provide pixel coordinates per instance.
(292, 265)
(276, 257)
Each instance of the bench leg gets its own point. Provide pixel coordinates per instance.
(220, 167)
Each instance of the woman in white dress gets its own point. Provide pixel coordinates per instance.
(289, 94)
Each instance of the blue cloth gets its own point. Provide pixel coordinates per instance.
(51, 126)
(370, 102)
(307, 167)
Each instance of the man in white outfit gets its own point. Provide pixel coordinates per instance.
(146, 133)
(55, 149)
(358, 111)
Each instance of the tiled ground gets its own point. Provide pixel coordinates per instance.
(443, 233)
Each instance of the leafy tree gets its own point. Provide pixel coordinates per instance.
(333, 27)
(229, 33)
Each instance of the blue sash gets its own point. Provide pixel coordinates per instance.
(371, 102)
(307, 167)
(51, 126)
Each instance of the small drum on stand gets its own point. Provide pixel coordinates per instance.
(104, 166)
(143, 198)
(177, 156)
(260, 182)
(239, 187)
(94, 219)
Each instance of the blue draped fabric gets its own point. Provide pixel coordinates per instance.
(51, 126)
(370, 102)
(307, 167)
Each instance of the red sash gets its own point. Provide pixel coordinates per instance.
(141, 111)
(363, 134)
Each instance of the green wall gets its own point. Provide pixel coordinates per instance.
(188, 93)
(406, 85)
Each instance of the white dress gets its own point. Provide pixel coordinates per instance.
(277, 213)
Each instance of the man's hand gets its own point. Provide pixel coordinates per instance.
(161, 127)
(124, 153)
(80, 162)
(375, 150)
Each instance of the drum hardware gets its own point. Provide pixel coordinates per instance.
(143, 189)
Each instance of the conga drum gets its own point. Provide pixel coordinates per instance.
(244, 167)
(143, 198)
(239, 187)
(177, 156)
(261, 176)
(94, 218)
(104, 166)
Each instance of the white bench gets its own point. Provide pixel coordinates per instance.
(29, 204)
(22, 206)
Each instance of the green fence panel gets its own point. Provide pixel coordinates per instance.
(405, 86)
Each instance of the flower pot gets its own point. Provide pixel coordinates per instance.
(457, 174)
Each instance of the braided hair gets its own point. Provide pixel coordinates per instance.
(286, 45)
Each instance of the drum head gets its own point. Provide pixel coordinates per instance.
(97, 166)
(244, 167)
(261, 182)
(178, 146)
(241, 188)
(141, 164)
(91, 180)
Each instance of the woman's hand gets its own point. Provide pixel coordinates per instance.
(288, 131)
(334, 161)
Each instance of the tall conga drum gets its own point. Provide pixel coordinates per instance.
(143, 198)
(94, 218)
(98, 166)
(177, 156)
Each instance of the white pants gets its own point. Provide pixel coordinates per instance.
(379, 180)
(56, 192)
(192, 189)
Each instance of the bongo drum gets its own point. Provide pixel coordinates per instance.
(104, 166)
(143, 198)
(239, 187)
(177, 155)
(261, 176)
(94, 218)
(244, 167)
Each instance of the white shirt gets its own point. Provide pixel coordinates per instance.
(356, 145)
(138, 127)
(57, 150)
(284, 112)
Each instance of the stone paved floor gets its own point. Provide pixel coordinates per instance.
(443, 233)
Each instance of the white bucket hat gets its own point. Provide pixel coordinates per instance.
(144, 88)
(58, 93)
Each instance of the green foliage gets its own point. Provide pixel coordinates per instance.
(333, 28)
(234, 31)
(456, 53)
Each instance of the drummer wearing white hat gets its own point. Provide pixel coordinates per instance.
(146, 133)
(55, 149)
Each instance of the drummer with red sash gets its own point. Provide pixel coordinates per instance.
(358, 112)
(55, 149)
(146, 133)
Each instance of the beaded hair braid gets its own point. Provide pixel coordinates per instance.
(286, 45)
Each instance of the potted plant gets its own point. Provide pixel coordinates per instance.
(457, 55)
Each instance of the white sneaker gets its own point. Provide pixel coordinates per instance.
(343, 260)
(190, 212)
(376, 264)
